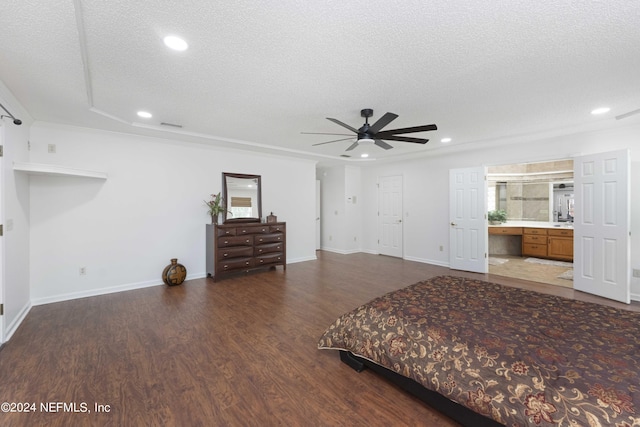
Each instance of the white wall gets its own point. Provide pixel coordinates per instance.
(15, 216)
(426, 189)
(124, 230)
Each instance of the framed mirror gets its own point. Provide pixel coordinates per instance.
(242, 197)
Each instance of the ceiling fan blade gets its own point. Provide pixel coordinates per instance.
(324, 133)
(625, 115)
(406, 139)
(380, 143)
(382, 122)
(352, 146)
(335, 140)
(414, 129)
(338, 122)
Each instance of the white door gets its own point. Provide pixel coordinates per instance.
(601, 225)
(390, 216)
(2, 238)
(318, 210)
(468, 236)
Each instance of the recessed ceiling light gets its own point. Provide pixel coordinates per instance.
(445, 140)
(600, 110)
(175, 43)
(144, 114)
(364, 155)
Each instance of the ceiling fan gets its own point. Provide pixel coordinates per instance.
(374, 133)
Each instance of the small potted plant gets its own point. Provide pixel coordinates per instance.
(497, 216)
(216, 207)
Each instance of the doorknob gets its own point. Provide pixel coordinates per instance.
(399, 221)
(453, 224)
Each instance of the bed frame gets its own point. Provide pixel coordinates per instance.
(459, 413)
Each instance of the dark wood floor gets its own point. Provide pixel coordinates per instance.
(238, 352)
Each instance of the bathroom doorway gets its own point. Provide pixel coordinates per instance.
(535, 242)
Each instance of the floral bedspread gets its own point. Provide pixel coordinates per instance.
(517, 356)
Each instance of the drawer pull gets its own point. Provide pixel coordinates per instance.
(247, 263)
(225, 255)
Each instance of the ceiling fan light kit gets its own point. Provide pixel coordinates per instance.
(373, 134)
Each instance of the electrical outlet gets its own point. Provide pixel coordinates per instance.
(636, 272)
(51, 148)
(441, 248)
(83, 271)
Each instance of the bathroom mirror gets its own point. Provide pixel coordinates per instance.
(242, 197)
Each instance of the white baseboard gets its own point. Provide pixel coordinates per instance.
(428, 261)
(341, 251)
(105, 291)
(301, 259)
(130, 287)
(17, 321)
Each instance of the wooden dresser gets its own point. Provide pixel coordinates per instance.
(244, 247)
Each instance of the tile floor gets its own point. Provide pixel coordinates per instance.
(517, 267)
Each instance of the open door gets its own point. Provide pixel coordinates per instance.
(601, 225)
(318, 211)
(468, 236)
(390, 216)
(1, 235)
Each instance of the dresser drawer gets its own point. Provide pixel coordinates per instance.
(534, 238)
(534, 249)
(269, 238)
(226, 231)
(274, 258)
(235, 241)
(243, 230)
(235, 252)
(236, 263)
(267, 248)
(276, 228)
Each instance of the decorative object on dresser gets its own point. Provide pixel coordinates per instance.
(237, 248)
(242, 196)
(174, 273)
(216, 207)
(272, 218)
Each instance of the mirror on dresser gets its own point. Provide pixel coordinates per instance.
(242, 195)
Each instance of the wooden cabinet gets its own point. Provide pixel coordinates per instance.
(561, 244)
(234, 248)
(534, 242)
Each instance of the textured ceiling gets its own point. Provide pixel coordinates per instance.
(258, 73)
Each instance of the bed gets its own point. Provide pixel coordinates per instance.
(488, 354)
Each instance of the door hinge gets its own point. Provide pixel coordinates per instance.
(1, 230)
(1, 151)
(485, 254)
(1, 309)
